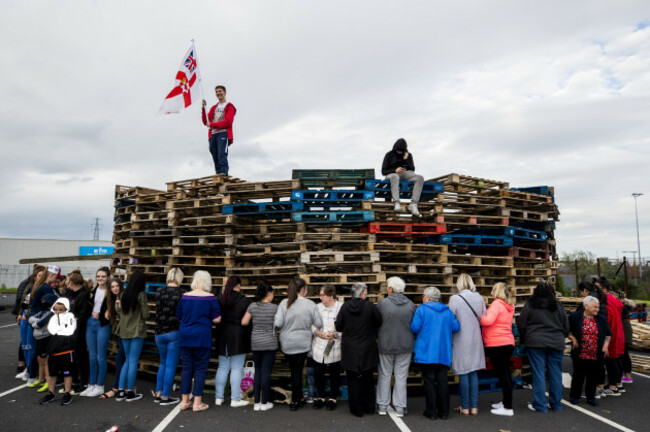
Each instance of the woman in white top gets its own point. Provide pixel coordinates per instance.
(326, 349)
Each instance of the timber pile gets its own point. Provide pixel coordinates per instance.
(640, 336)
(338, 227)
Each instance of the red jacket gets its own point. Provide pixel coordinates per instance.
(229, 114)
(614, 319)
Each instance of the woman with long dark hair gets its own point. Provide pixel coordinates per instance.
(112, 296)
(264, 343)
(26, 331)
(133, 311)
(234, 343)
(295, 317)
(543, 326)
(98, 333)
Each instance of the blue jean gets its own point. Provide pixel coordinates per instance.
(97, 338)
(262, 380)
(540, 361)
(169, 351)
(132, 349)
(234, 365)
(28, 344)
(120, 358)
(468, 385)
(195, 365)
(219, 151)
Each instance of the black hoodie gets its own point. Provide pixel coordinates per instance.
(392, 160)
(359, 321)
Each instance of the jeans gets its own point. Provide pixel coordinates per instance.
(296, 364)
(389, 364)
(589, 369)
(28, 344)
(436, 390)
(540, 361)
(195, 365)
(234, 365)
(468, 385)
(405, 176)
(312, 392)
(219, 151)
(262, 380)
(169, 351)
(120, 358)
(500, 358)
(97, 338)
(334, 372)
(132, 349)
(361, 392)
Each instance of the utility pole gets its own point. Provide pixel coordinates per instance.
(638, 240)
(96, 226)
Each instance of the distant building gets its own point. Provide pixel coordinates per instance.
(12, 250)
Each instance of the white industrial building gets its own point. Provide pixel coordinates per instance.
(12, 250)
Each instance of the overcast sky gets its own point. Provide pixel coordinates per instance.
(528, 92)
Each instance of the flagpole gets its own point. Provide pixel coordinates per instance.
(199, 72)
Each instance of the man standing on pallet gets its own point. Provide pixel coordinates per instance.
(398, 165)
(219, 122)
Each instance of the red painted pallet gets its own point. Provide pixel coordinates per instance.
(406, 229)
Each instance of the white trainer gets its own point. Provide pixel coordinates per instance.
(239, 403)
(497, 405)
(398, 207)
(503, 412)
(31, 381)
(257, 406)
(90, 389)
(21, 375)
(267, 406)
(99, 390)
(218, 401)
(413, 208)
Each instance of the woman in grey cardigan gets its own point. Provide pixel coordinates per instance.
(468, 355)
(294, 319)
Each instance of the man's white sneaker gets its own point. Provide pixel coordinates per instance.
(497, 405)
(398, 207)
(22, 375)
(218, 401)
(503, 412)
(413, 208)
(239, 403)
(98, 390)
(257, 407)
(90, 389)
(267, 406)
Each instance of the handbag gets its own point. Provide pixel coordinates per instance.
(247, 376)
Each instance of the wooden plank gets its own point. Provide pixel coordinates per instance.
(64, 258)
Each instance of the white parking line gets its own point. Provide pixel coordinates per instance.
(398, 421)
(597, 417)
(165, 422)
(640, 374)
(10, 325)
(13, 390)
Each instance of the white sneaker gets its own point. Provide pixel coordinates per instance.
(97, 391)
(218, 401)
(239, 403)
(22, 375)
(31, 381)
(413, 208)
(503, 412)
(257, 407)
(267, 406)
(398, 207)
(90, 389)
(497, 405)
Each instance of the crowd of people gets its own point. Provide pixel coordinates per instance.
(66, 328)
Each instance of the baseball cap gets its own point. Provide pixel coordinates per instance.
(56, 270)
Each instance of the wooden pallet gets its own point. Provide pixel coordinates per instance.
(463, 183)
(343, 278)
(640, 363)
(202, 182)
(386, 246)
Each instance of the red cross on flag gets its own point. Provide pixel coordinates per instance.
(185, 90)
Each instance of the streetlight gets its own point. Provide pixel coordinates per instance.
(638, 239)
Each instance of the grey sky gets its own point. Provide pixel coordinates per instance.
(554, 93)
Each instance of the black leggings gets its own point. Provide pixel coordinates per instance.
(626, 361)
(296, 364)
(361, 392)
(585, 370)
(334, 372)
(262, 380)
(500, 359)
(614, 371)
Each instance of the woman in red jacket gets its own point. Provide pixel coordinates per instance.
(499, 342)
(617, 344)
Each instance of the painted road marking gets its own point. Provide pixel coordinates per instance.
(398, 421)
(10, 325)
(168, 419)
(13, 390)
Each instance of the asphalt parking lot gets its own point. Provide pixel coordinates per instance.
(20, 411)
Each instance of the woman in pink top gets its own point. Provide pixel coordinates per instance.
(499, 342)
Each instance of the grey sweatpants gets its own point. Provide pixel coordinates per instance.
(405, 176)
(389, 364)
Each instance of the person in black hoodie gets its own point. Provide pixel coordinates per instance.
(398, 166)
(80, 306)
(60, 349)
(359, 320)
(543, 326)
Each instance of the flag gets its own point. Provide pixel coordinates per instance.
(185, 89)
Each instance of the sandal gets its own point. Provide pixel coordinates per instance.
(108, 395)
(185, 406)
(474, 411)
(202, 407)
(462, 411)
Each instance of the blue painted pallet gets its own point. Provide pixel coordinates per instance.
(334, 217)
(150, 288)
(382, 189)
(124, 203)
(488, 385)
(470, 240)
(539, 190)
(327, 196)
(261, 209)
(508, 231)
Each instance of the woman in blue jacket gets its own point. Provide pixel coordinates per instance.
(434, 325)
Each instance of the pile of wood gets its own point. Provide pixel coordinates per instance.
(640, 336)
(338, 227)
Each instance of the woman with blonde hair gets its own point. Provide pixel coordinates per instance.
(500, 342)
(467, 356)
(196, 312)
